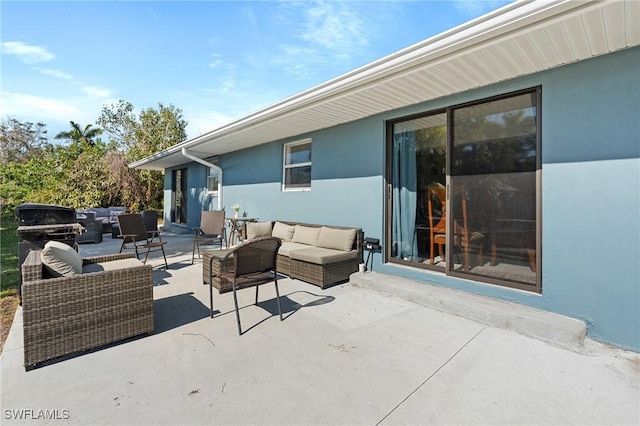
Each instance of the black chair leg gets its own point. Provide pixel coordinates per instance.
(166, 265)
(235, 300)
(257, 287)
(211, 285)
(211, 298)
(278, 297)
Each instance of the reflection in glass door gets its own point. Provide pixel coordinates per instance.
(463, 191)
(178, 196)
(418, 231)
(493, 188)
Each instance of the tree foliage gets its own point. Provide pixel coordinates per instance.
(19, 140)
(79, 135)
(140, 136)
(152, 131)
(85, 171)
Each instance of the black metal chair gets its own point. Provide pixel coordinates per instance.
(150, 219)
(254, 263)
(211, 231)
(133, 231)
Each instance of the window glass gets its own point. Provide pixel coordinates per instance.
(493, 184)
(419, 179)
(298, 153)
(212, 180)
(297, 166)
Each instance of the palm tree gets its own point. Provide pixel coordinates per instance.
(77, 134)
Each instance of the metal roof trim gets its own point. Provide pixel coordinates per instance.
(467, 37)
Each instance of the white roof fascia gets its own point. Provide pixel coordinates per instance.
(489, 28)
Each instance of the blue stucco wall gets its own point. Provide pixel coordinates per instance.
(590, 191)
(590, 196)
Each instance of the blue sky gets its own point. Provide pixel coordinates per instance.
(215, 60)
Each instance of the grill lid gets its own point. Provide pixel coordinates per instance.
(30, 214)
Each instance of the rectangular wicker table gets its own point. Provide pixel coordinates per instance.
(219, 265)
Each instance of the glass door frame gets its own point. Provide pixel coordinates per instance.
(389, 129)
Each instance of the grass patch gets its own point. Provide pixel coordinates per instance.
(9, 271)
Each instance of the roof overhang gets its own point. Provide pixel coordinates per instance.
(519, 39)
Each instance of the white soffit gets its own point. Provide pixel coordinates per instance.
(519, 39)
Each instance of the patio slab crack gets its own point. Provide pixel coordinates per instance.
(429, 378)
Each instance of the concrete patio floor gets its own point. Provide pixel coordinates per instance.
(345, 355)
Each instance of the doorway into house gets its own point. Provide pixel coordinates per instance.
(463, 190)
(178, 196)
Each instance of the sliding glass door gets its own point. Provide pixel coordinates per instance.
(463, 190)
(179, 196)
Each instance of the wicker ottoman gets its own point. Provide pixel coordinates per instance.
(219, 265)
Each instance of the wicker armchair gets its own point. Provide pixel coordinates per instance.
(254, 263)
(68, 315)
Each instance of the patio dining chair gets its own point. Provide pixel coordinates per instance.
(254, 263)
(135, 237)
(437, 226)
(150, 219)
(211, 231)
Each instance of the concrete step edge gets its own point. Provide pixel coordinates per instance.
(556, 329)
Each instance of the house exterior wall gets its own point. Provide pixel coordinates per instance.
(590, 191)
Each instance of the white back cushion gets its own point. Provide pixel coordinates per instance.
(60, 259)
(258, 229)
(283, 231)
(306, 235)
(337, 239)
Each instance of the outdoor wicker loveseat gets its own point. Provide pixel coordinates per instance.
(318, 254)
(110, 300)
(322, 255)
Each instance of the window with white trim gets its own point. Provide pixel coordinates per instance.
(212, 182)
(296, 173)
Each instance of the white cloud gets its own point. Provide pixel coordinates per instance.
(217, 60)
(203, 121)
(20, 104)
(227, 84)
(96, 92)
(474, 8)
(334, 26)
(56, 73)
(325, 34)
(26, 53)
(300, 61)
(55, 113)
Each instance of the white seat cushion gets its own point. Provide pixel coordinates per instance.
(113, 265)
(287, 247)
(322, 256)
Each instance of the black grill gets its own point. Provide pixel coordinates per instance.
(39, 223)
(30, 214)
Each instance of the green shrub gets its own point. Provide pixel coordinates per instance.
(9, 272)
